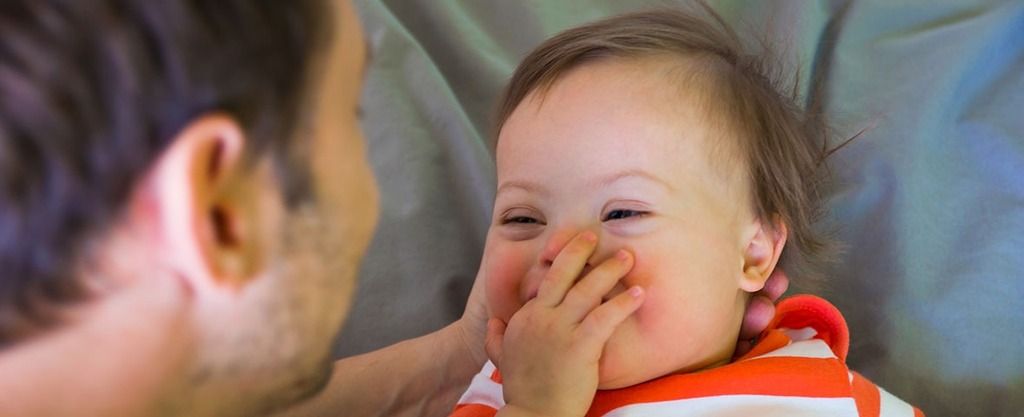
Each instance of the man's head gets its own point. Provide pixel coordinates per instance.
(210, 143)
(661, 134)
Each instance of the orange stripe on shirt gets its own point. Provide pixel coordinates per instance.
(806, 310)
(769, 341)
(778, 376)
(473, 410)
(787, 375)
(865, 394)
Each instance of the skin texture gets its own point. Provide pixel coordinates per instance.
(635, 163)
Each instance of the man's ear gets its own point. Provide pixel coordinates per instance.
(763, 249)
(204, 207)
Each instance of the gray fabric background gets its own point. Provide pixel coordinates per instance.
(929, 201)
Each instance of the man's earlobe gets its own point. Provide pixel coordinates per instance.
(762, 253)
(207, 205)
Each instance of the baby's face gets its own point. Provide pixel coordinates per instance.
(615, 148)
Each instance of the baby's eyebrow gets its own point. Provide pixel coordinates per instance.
(528, 186)
(631, 173)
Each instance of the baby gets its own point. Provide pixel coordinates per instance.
(657, 135)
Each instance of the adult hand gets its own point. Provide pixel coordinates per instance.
(761, 310)
(548, 352)
(473, 323)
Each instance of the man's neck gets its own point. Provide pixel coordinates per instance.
(122, 354)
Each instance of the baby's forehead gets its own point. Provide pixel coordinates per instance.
(680, 93)
(688, 86)
(682, 77)
(654, 107)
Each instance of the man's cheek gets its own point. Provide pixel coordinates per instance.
(506, 268)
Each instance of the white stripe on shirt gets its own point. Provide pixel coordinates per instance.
(814, 348)
(742, 406)
(890, 406)
(483, 390)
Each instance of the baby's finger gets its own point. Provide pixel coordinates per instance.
(598, 326)
(566, 268)
(588, 292)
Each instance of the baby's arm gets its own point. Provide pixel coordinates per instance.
(548, 352)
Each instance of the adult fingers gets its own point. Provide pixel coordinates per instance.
(776, 285)
(760, 312)
(742, 347)
(473, 323)
(761, 308)
(566, 268)
(495, 338)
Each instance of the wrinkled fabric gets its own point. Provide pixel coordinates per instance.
(928, 201)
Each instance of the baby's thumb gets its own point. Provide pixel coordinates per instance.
(495, 337)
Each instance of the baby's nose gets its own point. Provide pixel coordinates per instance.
(556, 243)
(554, 246)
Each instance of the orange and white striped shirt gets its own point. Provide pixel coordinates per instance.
(798, 368)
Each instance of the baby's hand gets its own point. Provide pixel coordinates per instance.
(549, 351)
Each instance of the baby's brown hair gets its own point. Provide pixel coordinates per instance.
(782, 147)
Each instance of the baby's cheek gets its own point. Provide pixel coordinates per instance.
(648, 343)
(505, 268)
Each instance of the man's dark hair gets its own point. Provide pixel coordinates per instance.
(92, 91)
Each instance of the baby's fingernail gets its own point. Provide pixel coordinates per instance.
(636, 291)
(589, 236)
(622, 255)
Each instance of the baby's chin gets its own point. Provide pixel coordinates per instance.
(614, 372)
(615, 383)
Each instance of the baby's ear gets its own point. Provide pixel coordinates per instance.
(763, 249)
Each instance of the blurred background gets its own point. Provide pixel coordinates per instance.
(929, 201)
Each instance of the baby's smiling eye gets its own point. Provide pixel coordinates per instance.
(521, 216)
(520, 220)
(521, 223)
(622, 214)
